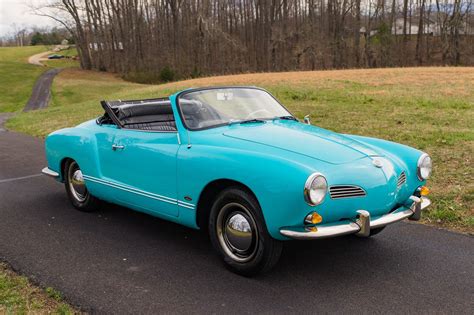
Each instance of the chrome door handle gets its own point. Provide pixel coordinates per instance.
(117, 147)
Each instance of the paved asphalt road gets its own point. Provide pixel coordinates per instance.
(120, 261)
(41, 91)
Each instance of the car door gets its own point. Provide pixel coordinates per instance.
(141, 166)
(145, 164)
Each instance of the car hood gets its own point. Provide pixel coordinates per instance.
(312, 141)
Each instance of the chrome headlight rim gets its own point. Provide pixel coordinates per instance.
(307, 189)
(419, 164)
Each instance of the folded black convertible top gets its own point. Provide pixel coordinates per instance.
(113, 108)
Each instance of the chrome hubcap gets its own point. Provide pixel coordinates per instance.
(76, 182)
(237, 232)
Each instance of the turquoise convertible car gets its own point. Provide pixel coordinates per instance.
(235, 162)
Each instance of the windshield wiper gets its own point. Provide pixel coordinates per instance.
(286, 118)
(246, 121)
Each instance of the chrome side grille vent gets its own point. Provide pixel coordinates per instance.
(346, 191)
(402, 179)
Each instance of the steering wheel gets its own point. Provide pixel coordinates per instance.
(258, 111)
(199, 106)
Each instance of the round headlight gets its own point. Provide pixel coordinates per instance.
(315, 189)
(424, 167)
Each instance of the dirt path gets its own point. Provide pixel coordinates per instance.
(36, 59)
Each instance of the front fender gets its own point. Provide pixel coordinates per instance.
(276, 181)
(402, 154)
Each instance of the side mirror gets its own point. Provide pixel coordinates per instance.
(306, 120)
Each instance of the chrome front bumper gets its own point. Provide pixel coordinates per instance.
(362, 225)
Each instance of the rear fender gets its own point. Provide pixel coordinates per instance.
(72, 143)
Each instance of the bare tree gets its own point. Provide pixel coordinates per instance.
(153, 40)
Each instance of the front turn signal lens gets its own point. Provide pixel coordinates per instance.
(313, 218)
(424, 191)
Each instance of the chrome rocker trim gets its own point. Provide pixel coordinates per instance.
(362, 225)
(48, 172)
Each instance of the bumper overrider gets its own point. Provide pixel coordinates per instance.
(362, 225)
(49, 172)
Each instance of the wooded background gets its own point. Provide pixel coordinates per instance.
(166, 39)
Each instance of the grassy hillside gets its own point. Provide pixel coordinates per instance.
(17, 76)
(429, 108)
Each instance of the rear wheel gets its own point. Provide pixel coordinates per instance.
(238, 232)
(76, 188)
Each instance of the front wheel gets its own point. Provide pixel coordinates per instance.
(238, 232)
(76, 188)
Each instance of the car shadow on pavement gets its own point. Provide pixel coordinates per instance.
(338, 257)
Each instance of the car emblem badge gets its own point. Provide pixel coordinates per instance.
(377, 162)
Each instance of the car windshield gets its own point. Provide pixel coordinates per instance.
(214, 107)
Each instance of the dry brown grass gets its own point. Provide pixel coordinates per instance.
(374, 77)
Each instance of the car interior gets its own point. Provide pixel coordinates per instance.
(150, 115)
(198, 114)
(157, 114)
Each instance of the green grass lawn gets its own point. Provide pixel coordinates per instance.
(19, 296)
(17, 77)
(431, 109)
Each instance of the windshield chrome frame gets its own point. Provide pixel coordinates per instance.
(181, 115)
